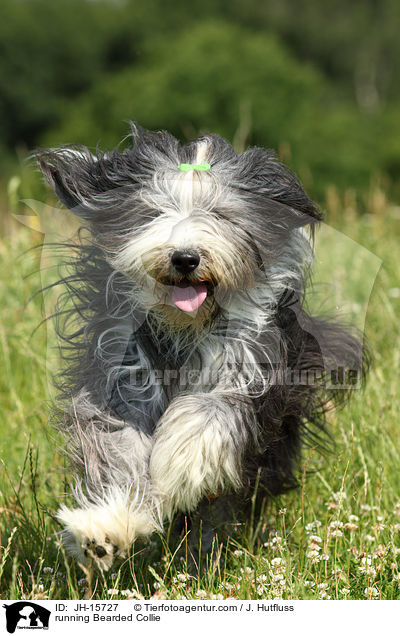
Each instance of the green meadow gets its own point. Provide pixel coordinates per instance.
(337, 536)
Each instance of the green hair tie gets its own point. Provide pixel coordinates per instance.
(185, 167)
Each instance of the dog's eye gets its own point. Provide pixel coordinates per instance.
(241, 228)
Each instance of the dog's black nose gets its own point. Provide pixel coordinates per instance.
(185, 261)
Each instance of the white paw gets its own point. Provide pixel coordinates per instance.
(101, 554)
(93, 537)
(100, 534)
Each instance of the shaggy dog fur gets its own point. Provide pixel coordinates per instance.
(193, 370)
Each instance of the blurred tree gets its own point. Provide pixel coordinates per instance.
(316, 80)
(355, 44)
(201, 80)
(244, 86)
(51, 52)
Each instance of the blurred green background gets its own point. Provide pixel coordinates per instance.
(317, 81)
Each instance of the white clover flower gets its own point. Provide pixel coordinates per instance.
(112, 591)
(336, 533)
(354, 518)
(371, 592)
(322, 586)
(344, 591)
(277, 540)
(340, 496)
(396, 509)
(137, 594)
(313, 526)
(315, 546)
(331, 505)
(325, 557)
(48, 570)
(350, 527)
(217, 597)
(312, 554)
(314, 538)
(336, 524)
(309, 584)
(369, 571)
(201, 594)
(238, 553)
(276, 562)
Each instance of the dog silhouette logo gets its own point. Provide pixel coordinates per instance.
(26, 615)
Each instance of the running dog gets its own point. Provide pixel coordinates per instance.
(194, 373)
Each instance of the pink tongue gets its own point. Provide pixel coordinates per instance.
(189, 298)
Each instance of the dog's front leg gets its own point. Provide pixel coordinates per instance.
(113, 495)
(198, 449)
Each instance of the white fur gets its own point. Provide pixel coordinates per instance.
(193, 456)
(114, 524)
(201, 151)
(170, 232)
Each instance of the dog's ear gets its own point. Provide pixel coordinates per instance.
(78, 177)
(268, 178)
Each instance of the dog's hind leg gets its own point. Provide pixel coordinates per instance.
(210, 526)
(113, 493)
(198, 450)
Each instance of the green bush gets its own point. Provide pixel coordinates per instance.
(316, 83)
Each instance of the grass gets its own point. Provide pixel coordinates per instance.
(337, 536)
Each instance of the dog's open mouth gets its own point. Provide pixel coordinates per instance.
(189, 296)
